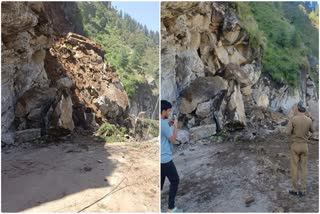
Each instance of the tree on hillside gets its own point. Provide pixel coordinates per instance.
(314, 17)
(124, 41)
(124, 58)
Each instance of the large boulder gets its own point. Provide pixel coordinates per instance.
(235, 108)
(27, 135)
(203, 109)
(229, 54)
(63, 112)
(200, 132)
(183, 136)
(200, 90)
(188, 67)
(246, 75)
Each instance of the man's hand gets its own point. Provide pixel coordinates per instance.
(172, 139)
(175, 122)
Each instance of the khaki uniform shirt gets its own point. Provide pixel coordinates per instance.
(299, 127)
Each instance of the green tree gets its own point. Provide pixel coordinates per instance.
(124, 41)
(124, 58)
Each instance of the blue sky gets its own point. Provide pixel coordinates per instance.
(146, 13)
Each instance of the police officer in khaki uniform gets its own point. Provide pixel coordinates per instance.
(299, 127)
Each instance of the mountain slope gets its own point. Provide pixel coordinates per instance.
(291, 38)
(129, 46)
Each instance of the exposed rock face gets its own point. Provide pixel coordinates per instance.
(207, 65)
(95, 85)
(146, 99)
(62, 16)
(200, 132)
(24, 43)
(52, 84)
(28, 135)
(280, 97)
(32, 109)
(283, 99)
(212, 76)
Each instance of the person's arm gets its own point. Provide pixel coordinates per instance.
(173, 138)
(312, 129)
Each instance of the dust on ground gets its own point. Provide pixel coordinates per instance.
(221, 176)
(68, 176)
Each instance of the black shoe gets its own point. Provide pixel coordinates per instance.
(301, 194)
(292, 192)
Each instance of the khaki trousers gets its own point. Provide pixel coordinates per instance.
(299, 159)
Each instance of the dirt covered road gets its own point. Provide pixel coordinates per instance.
(221, 176)
(68, 176)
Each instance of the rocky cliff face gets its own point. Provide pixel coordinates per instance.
(24, 44)
(146, 100)
(52, 82)
(207, 65)
(210, 72)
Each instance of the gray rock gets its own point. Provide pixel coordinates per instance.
(235, 107)
(168, 75)
(8, 138)
(90, 119)
(16, 17)
(27, 135)
(200, 90)
(191, 122)
(65, 82)
(200, 132)
(247, 74)
(203, 109)
(188, 67)
(249, 200)
(183, 136)
(63, 112)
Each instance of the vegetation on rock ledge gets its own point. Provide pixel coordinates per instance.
(288, 33)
